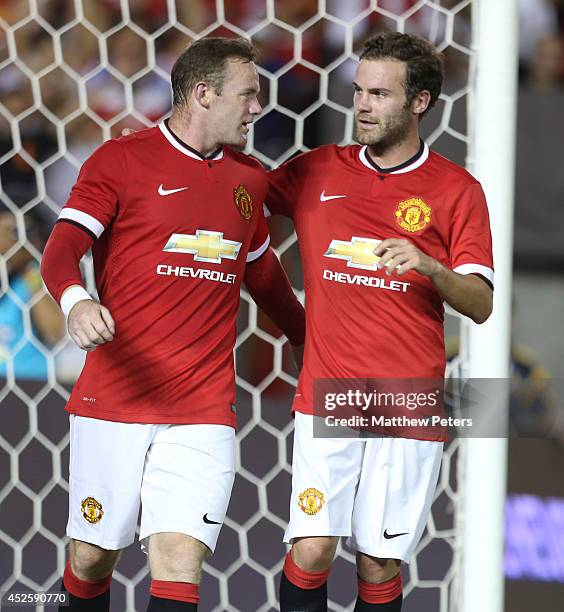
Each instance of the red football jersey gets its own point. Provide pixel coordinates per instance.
(362, 323)
(174, 233)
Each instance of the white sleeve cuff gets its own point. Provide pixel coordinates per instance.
(252, 255)
(71, 297)
(88, 221)
(476, 269)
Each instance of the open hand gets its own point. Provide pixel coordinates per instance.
(400, 255)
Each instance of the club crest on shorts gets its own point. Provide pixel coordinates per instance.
(243, 202)
(92, 510)
(311, 501)
(413, 215)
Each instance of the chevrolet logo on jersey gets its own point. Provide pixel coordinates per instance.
(358, 253)
(206, 246)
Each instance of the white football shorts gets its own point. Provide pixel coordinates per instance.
(377, 492)
(180, 475)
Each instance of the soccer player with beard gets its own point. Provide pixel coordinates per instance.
(175, 221)
(388, 231)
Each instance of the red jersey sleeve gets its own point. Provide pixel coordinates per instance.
(283, 185)
(93, 201)
(470, 236)
(60, 264)
(270, 288)
(260, 239)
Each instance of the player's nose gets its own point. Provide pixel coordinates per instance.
(361, 103)
(255, 108)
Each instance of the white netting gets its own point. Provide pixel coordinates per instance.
(72, 74)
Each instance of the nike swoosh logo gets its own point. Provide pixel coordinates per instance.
(389, 536)
(164, 192)
(326, 198)
(208, 521)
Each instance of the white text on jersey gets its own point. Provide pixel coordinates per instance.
(369, 281)
(212, 275)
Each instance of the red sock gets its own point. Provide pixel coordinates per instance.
(380, 593)
(85, 589)
(179, 591)
(301, 578)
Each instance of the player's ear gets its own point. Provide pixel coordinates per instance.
(421, 102)
(202, 94)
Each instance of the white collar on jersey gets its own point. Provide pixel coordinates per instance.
(178, 145)
(421, 159)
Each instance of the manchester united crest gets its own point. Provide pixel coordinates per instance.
(413, 215)
(311, 501)
(92, 510)
(243, 201)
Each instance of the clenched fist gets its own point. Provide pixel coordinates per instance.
(90, 324)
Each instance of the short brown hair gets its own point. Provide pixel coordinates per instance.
(424, 64)
(206, 60)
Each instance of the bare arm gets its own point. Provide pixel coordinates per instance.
(468, 294)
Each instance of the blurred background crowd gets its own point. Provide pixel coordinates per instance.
(68, 81)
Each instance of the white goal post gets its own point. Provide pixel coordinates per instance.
(493, 123)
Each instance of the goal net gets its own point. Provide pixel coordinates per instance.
(74, 73)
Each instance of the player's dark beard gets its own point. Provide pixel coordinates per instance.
(396, 128)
